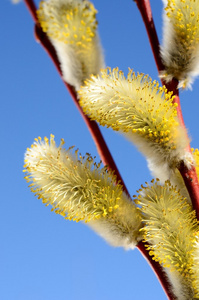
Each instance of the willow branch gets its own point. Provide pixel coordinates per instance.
(146, 13)
(191, 181)
(189, 176)
(157, 270)
(32, 9)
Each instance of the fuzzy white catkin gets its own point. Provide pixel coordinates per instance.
(142, 110)
(181, 289)
(195, 267)
(72, 29)
(180, 47)
(75, 70)
(170, 228)
(78, 189)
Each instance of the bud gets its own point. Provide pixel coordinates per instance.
(180, 49)
(170, 228)
(72, 29)
(78, 189)
(143, 111)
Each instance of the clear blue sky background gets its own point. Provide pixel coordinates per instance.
(42, 256)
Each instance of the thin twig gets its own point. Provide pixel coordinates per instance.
(146, 13)
(191, 182)
(189, 176)
(158, 270)
(32, 9)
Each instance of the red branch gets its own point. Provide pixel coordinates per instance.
(191, 182)
(142, 247)
(189, 176)
(32, 9)
(146, 13)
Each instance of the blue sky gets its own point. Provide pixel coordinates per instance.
(43, 256)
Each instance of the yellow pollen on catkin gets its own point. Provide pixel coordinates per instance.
(185, 20)
(170, 229)
(181, 41)
(70, 22)
(71, 26)
(75, 186)
(134, 104)
(196, 158)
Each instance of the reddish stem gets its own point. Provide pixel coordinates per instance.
(191, 182)
(146, 13)
(32, 9)
(173, 86)
(158, 270)
(189, 176)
